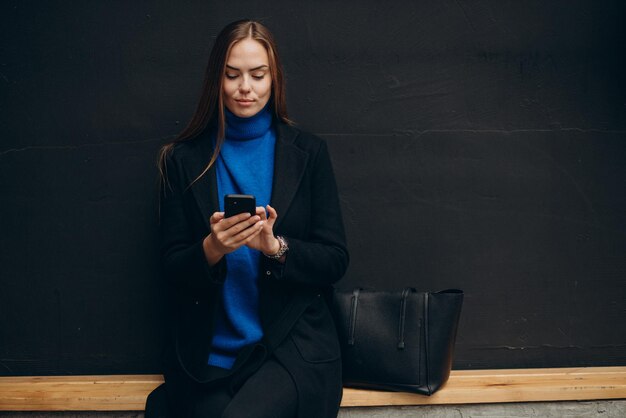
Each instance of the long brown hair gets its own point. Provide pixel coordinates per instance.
(210, 110)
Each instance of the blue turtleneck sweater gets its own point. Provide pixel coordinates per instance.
(245, 166)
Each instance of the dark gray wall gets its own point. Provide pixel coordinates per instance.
(477, 144)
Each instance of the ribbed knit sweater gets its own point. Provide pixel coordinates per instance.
(245, 166)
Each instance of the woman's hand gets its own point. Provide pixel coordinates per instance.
(228, 234)
(265, 241)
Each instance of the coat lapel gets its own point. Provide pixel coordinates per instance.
(205, 189)
(289, 167)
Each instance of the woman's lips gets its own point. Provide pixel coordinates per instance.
(245, 102)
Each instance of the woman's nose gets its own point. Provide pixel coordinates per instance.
(244, 87)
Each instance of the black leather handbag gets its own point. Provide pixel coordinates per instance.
(399, 341)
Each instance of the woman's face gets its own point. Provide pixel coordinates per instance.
(247, 85)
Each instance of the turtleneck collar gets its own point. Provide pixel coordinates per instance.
(242, 129)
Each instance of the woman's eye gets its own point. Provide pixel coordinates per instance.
(258, 77)
(231, 76)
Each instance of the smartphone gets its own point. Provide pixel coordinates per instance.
(234, 204)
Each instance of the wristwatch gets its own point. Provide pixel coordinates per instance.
(282, 249)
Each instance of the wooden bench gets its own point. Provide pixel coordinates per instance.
(129, 392)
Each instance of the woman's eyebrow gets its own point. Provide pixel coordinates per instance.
(260, 67)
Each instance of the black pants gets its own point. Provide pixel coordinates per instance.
(269, 393)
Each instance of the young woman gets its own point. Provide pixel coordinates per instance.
(252, 334)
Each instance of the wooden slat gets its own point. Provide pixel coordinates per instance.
(77, 393)
(129, 392)
(512, 385)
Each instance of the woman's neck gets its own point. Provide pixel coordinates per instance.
(241, 129)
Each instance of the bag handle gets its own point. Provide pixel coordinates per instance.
(405, 294)
(353, 307)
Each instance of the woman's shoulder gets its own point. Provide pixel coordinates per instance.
(178, 150)
(303, 139)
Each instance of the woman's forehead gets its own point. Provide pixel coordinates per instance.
(247, 54)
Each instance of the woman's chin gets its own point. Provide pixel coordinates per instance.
(244, 110)
(245, 113)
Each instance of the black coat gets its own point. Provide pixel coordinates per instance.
(294, 313)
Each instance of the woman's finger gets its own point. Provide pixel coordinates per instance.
(252, 236)
(246, 235)
(273, 215)
(260, 210)
(216, 217)
(243, 225)
(236, 229)
(226, 223)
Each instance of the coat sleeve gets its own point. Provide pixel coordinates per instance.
(181, 248)
(321, 258)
